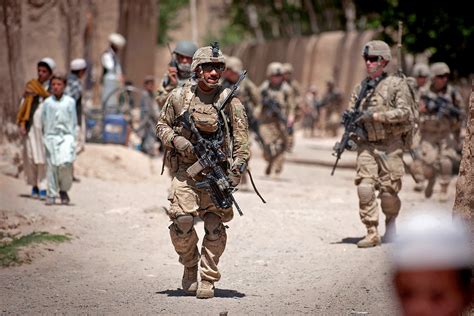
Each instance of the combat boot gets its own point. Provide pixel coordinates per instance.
(189, 281)
(443, 196)
(371, 240)
(429, 187)
(205, 289)
(419, 187)
(390, 229)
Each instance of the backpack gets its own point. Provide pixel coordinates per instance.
(411, 128)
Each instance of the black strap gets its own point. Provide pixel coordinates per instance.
(255, 188)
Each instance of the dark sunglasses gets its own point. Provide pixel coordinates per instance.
(372, 59)
(213, 66)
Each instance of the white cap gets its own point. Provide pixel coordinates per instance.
(117, 39)
(432, 241)
(78, 64)
(50, 62)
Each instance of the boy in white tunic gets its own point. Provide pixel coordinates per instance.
(59, 129)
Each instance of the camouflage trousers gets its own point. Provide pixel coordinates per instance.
(275, 136)
(436, 157)
(379, 168)
(186, 199)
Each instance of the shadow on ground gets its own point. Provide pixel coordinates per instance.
(225, 293)
(348, 240)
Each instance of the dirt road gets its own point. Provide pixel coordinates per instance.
(294, 255)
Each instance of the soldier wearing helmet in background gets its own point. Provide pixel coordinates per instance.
(421, 73)
(331, 109)
(419, 79)
(297, 95)
(276, 116)
(198, 98)
(384, 100)
(441, 108)
(179, 70)
(247, 94)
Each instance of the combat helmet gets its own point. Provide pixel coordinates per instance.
(287, 68)
(207, 54)
(274, 68)
(439, 69)
(185, 48)
(421, 70)
(235, 64)
(377, 48)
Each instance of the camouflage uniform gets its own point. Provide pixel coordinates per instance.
(296, 91)
(438, 148)
(187, 201)
(275, 132)
(379, 156)
(248, 95)
(184, 48)
(421, 74)
(331, 108)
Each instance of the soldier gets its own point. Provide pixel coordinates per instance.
(331, 109)
(386, 117)
(187, 201)
(179, 70)
(277, 115)
(297, 95)
(441, 117)
(421, 74)
(248, 95)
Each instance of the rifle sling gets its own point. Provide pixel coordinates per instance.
(255, 187)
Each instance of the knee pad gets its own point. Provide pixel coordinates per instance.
(213, 226)
(183, 224)
(390, 203)
(446, 166)
(366, 192)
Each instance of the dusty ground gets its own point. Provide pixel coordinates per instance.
(294, 255)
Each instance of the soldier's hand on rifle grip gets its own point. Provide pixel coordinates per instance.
(183, 145)
(234, 179)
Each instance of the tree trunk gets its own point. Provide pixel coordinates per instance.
(464, 201)
(11, 66)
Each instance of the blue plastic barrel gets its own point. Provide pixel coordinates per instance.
(115, 129)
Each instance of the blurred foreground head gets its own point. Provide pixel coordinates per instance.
(433, 259)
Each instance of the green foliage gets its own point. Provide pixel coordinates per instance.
(167, 18)
(9, 252)
(443, 28)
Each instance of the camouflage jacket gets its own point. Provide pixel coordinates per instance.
(181, 99)
(247, 94)
(434, 122)
(166, 87)
(283, 95)
(390, 100)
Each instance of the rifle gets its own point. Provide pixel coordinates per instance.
(442, 107)
(173, 63)
(272, 107)
(210, 157)
(351, 126)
